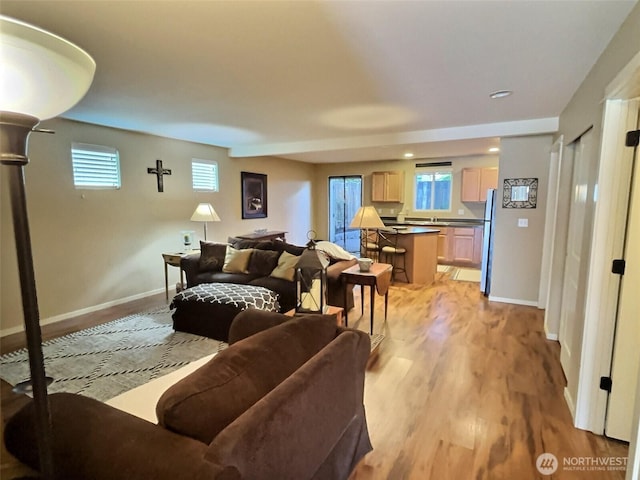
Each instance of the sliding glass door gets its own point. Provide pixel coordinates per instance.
(345, 198)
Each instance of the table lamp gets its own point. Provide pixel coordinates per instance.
(41, 76)
(205, 213)
(366, 218)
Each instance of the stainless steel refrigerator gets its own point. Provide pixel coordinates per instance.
(487, 242)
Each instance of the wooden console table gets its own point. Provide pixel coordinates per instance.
(270, 235)
(377, 278)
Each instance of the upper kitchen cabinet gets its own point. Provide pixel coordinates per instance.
(476, 182)
(387, 187)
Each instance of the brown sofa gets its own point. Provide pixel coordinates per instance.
(285, 403)
(207, 268)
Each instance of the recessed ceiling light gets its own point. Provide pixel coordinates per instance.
(500, 93)
(408, 155)
(494, 149)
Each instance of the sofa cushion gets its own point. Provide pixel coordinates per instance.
(221, 277)
(236, 261)
(286, 268)
(202, 404)
(262, 262)
(212, 256)
(277, 245)
(242, 243)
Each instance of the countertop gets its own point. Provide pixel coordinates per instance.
(440, 222)
(411, 230)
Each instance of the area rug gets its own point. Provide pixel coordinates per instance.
(104, 361)
(466, 275)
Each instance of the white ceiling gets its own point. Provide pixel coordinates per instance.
(325, 81)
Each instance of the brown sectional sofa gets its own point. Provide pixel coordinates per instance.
(206, 267)
(285, 403)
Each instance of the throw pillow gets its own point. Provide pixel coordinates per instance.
(334, 251)
(236, 261)
(212, 256)
(286, 268)
(262, 262)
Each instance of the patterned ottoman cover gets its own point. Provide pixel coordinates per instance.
(208, 309)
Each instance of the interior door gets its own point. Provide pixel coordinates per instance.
(345, 198)
(576, 260)
(626, 361)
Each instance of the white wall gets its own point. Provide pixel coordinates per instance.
(518, 251)
(97, 247)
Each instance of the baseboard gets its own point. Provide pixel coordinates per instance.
(515, 301)
(550, 336)
(569, 400)
(83, 311)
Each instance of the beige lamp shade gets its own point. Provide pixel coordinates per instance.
(205, 213)
(366, 217)
(41, 74)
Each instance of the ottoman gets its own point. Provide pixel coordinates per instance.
(209, 308)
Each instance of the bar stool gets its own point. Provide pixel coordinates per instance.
(388, 243)
(370, 246)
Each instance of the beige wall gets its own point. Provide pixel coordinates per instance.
(97, 247)
(518, 251)
(586, 109)
(323, 171)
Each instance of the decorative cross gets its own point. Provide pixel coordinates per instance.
(159, 172)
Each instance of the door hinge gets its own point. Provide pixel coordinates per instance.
(605, 384)
(618, 266)
(633, 138)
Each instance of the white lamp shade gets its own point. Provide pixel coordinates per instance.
(366, 217)
(41, 74)
(205, 213)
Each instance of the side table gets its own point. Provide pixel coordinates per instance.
(173, 259)
(378, 278)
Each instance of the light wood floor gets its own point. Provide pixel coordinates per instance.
(460, 389)
(464, 388)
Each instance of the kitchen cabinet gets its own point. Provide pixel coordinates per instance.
(443, 244)
(463, 242)
(387, 187)
(460, 246)
(476, 182)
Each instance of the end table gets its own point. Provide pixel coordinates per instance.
(173, 259)
(377, 278)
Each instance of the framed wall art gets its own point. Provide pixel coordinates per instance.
(254, 195)
(520, 193)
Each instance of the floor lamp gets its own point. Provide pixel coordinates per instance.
(41, 76)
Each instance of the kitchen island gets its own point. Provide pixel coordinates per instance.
(459, 241)
(421, 259)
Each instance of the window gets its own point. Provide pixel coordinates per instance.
(432, 189)
(95, 166)
(205, 175)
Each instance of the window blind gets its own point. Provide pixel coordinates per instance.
(95, 166)
(204, 175)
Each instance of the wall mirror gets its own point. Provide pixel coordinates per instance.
(520, 193)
